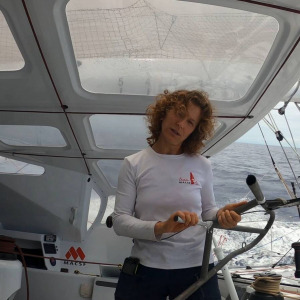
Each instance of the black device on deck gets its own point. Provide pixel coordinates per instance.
(130, 265)
(296, 246)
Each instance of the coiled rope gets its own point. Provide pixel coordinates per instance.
(267, 284)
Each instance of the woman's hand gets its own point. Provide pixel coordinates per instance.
(189, 218)
(228, 218)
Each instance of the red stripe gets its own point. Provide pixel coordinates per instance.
(73, 252)
(80, 253)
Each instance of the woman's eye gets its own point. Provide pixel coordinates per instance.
(180, 115)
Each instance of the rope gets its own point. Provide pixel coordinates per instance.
(279, 137)
(274, 265)
(292, 137)
(267, 284)
(8, 245)
(295, 177)
(275, 167)
(72, 260)
(275, 130)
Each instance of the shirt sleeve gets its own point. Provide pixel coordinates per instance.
(124, 222)
(209, 208)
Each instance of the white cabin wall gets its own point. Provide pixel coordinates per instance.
(44, 204)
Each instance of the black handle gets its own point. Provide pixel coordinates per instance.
(296, 246)
(109, 222)
(255, 188)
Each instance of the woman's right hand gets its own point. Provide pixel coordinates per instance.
(189, 218)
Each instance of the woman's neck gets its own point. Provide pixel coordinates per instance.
(161, 148)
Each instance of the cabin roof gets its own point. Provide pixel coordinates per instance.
(76, 78)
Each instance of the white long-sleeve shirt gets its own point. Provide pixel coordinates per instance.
(151, 187)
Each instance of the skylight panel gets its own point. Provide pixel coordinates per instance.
(110, 168)
(119, 131)
(11, 58)
(143, 47)
(12, 166)
(27, 135)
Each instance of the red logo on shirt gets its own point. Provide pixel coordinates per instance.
(191, 180)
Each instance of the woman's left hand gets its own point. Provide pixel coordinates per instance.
(227, 217)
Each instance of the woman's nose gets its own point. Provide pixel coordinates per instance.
(180, 123)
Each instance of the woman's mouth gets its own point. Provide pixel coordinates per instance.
(175, 132)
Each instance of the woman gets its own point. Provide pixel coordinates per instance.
(169, 178)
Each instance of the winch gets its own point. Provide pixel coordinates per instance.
(266, 286)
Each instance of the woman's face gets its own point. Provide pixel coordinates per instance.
(176, 128)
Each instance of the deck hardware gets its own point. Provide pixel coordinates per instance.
(72, 215)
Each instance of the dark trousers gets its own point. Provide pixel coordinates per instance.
(157, 284)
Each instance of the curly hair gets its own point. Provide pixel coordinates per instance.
(179, 100)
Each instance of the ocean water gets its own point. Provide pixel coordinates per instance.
(231, 168)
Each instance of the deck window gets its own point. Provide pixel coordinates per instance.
(110, 168)
(12, 166)
(142, 47)
(11, 58)
(27, 135)
(119, 131)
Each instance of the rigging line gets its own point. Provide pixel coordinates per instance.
(274, 131)
(273, 121)
(277, 239)
(291, 135)
(296, 11)
(268, 122)
(274, 165)
(274, 265)
(36, 154)
(297, 105)
(59, 156)
(296, 179)
(104, 113)
(279, 138)
(63, 106)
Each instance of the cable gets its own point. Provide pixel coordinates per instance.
(172, 235)
(288, 125)
(274, 165)
(274, 265)
(274, 130)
